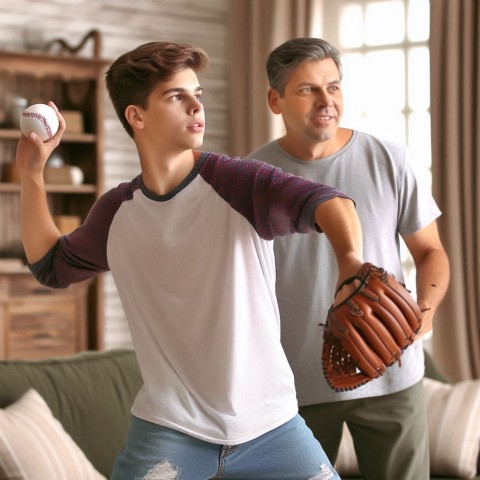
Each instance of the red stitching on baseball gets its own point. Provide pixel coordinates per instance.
(42, 119)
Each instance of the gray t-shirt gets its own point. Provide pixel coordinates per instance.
(390, 201)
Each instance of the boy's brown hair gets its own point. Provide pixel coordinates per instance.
(133, 76)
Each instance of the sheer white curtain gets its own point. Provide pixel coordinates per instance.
(255, 28)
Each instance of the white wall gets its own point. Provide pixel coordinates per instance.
(125, 24)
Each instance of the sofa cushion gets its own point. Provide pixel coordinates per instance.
(453, 427)
(453, 416)
(346, 464)
(90, 393)
(33, 444)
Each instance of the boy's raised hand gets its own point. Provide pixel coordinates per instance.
(33, 153)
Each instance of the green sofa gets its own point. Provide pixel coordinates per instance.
(91, 393)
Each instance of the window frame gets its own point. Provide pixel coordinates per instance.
(329, 25)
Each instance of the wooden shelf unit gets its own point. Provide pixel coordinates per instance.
(74, 83)
(39, 322)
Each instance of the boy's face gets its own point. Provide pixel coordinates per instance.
(312, 104)
(174, 118)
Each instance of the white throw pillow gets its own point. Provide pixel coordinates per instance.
(34, 445)
(453, 412)
(453, 416)
(346, 464)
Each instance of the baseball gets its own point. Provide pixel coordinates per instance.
(40, 119)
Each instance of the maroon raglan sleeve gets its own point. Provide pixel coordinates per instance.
(274, 202)
(83, 253)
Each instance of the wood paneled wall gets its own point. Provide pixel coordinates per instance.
(124, 24)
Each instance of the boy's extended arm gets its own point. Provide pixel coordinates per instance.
(39, 233)
(339, 221)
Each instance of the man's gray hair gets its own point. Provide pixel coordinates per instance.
(289, 55)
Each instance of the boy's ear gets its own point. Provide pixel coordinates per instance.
(134, 116)
(273, 101)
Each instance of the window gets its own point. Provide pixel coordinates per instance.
(386, 81)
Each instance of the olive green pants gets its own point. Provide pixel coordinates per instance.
(389, 433)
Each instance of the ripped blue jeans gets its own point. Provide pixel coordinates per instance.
(289, 452)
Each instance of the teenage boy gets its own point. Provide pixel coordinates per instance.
(189, 242)
(386, 417)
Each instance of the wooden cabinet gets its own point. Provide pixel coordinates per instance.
(76, 84)
(39, 322)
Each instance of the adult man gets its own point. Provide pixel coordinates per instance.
(189, 245)
(386, 416)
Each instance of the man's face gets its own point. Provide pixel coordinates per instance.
(312, 104)
(175, 115)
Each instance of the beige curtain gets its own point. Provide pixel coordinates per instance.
(255, 28)
(455, 108)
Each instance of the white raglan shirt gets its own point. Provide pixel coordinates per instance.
(195, 272)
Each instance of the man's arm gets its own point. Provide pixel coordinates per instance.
(39, 233)
(432, 272)
(339, 221)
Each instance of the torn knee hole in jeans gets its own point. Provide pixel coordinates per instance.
(162, 471)
(326, 473)
(166, 471)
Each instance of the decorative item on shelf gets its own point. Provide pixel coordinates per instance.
(76, 174)
(10, 173)
(61, 175)
(67, 175)
(65, 47)
(58, 173)
(17, 106)
(55, 161)
(67, 223)
(77, 93)
(74, 121)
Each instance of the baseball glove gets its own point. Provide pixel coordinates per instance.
(368, 331)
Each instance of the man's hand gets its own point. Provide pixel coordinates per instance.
(427, 320)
